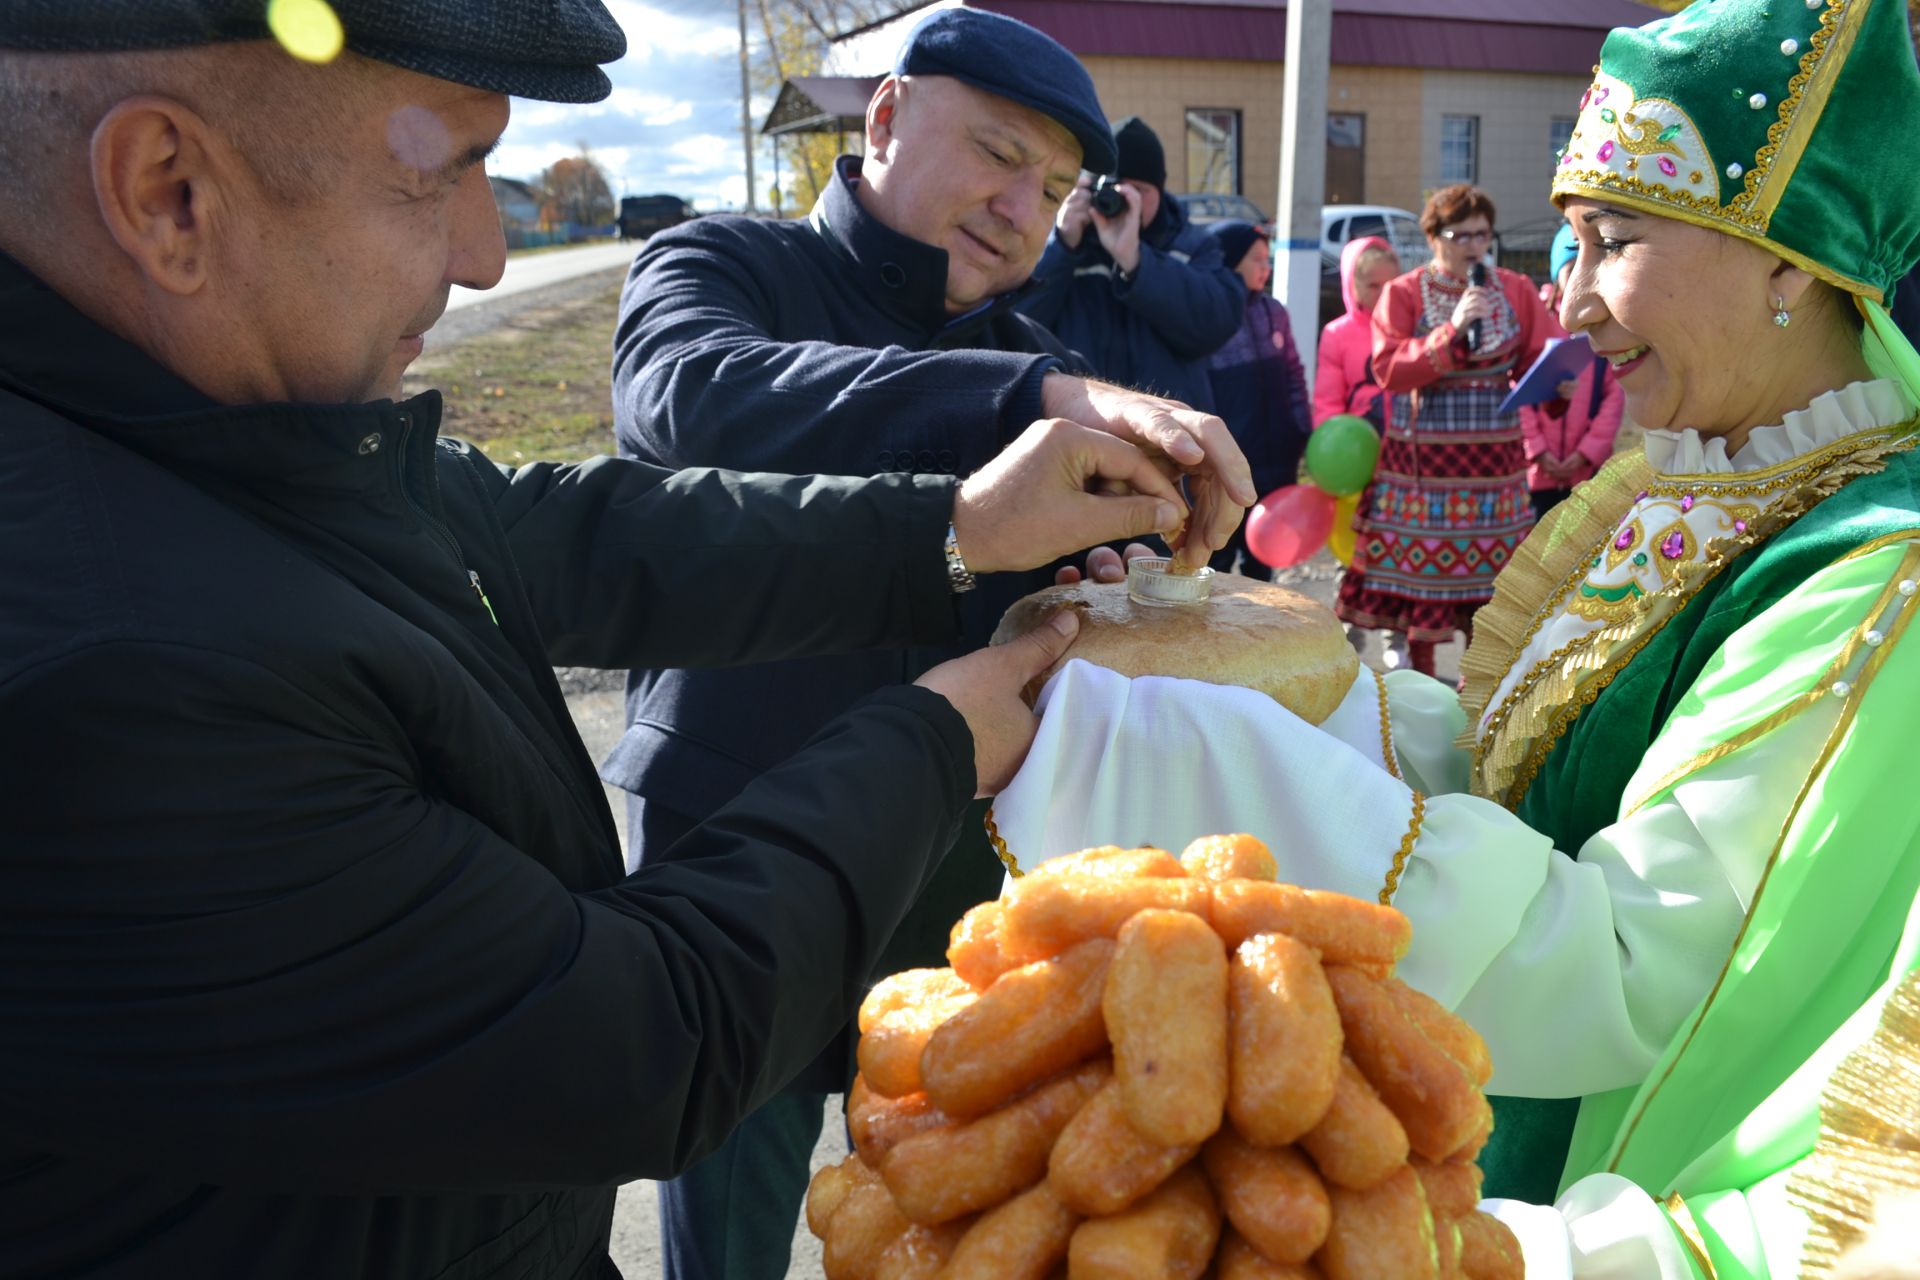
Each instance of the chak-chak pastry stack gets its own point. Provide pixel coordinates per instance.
(1140, 1065)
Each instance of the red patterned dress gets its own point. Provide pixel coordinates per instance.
(1448, 503)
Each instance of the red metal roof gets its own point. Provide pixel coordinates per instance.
(1552, 36)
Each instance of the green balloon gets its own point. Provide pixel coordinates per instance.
(1341, 454)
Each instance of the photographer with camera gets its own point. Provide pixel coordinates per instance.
(1146, 298)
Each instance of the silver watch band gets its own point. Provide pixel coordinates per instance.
(959, 577)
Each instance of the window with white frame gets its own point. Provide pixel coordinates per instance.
(1459, 149)
(1213, 150)
(1559, 136)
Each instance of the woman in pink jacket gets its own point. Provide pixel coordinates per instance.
(1568, 438)
(1345, 383)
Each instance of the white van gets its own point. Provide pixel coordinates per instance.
(1340, 223)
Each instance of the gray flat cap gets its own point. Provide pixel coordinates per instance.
(546, 49)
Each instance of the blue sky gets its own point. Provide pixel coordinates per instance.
(673, 122)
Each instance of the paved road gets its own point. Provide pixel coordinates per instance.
(537, 270)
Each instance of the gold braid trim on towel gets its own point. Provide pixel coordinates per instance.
(1007, 860)
(1863, 1176)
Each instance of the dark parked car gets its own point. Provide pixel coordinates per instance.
(641, 216)
(1210, 206)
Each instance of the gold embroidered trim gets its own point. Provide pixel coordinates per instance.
(1909, 565)
(1762, 481)
(1676, 1207)
(1834, 737)
(1007, 860)
(1509, 754)
(1884, 540)
(1405, 850)
(1387, 752)
(1867, 1156)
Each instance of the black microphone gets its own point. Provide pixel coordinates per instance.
(1476, 277)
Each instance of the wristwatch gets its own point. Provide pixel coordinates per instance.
(959, 577)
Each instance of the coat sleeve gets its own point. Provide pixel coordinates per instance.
(1403, 362)
(248, 943)
(622, 561)
(1189, 296)
(1604, 427)
(1330, 389)
(701, 379)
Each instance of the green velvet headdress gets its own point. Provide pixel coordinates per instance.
(1791, 123)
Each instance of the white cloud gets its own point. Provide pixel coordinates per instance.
(652, 31)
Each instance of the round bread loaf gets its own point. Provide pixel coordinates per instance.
(1250, 633)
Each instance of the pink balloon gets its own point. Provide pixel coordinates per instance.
(1289, 525)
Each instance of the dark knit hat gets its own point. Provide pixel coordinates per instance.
(549, 50)
(1141, 158)
(1235, 237)
(1009, 59)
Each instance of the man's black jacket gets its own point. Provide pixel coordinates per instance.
(316, 958)
(821, 345)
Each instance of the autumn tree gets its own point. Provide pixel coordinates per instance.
(795, 36)
(576, 191)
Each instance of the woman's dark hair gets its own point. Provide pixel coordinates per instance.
(1453, 204)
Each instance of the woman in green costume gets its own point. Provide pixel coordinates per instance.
(1669, 867)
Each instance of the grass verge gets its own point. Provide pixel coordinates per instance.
(537, 389)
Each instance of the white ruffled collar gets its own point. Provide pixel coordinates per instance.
(1833, 415)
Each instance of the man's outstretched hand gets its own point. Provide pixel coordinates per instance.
(1058, 489)
(1194, 444)
(985, 688)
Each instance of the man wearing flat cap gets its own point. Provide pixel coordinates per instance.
(317, 954)
(1144, 294)
(879, 334)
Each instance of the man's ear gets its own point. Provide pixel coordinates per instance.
(156, 192)
(883, 115)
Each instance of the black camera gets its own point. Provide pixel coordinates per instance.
(1108, 202)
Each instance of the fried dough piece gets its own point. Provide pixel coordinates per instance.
(1238, 1260)
(897, 1019)
(1234, 857)
(829, 1188)
(1169, 1234)
(1343, 930)
(919, 1253)
(1044, 915)
(973, 947)
(1271, 1195)
(876, 1124)
(1284, 1036)
(1101, 1164)
(943, 1174)
(1488, 1249)
(1023, 1239)
(859, 1231)
(1445, 1028)
(1430, 1093)
(1166, 1013)
(1112, 862)
(1452, 1186)
(1359, 1142)
(1382, 1231)
(1482, 1134)
(1033, 1023)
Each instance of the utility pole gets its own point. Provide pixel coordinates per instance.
(746, 107)
(1303, 170)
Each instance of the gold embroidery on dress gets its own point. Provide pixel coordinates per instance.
(1513, 744)
(1624, 545)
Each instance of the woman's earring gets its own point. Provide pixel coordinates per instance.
(1781, 316)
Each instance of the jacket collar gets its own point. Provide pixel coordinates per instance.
(903, 277)
(55, 356)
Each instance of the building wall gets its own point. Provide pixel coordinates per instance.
(1402, 106)
(1516, 150)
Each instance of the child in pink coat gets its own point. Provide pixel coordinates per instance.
(1568, 438)
(1345, 383)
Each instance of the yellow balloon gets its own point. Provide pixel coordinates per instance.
(307, 29)
(1341, 540)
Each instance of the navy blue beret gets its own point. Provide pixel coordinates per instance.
(547, 49)
(1012, 60)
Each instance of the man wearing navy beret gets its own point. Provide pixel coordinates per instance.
(879, 334)
(317, 954)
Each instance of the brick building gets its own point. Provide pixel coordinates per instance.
(1418, 95)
